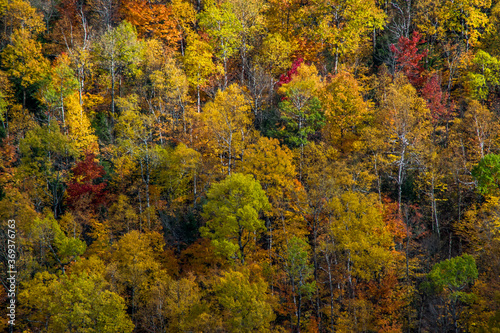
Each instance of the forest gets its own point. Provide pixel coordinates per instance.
(250, 166)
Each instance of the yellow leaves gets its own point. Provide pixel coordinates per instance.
(80, 130)
(346, 112)
(21, 15)
(245, 300)
(306, 83)
(275, 54)
(24, 60)
(344, 25)
(357, 227)
(464, 19)
(228, 122)
(272, 165)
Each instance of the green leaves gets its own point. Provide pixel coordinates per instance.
(300, 108)
(487, 174)
(232, 214)
(222, 25)
(485, 77)
(453, 275)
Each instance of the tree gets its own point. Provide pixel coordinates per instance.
(358, 248)
(198, 64)
(62, 83)
(20, 14)
(75, 303)
(120, 52)
(171, 88)
(408, 58)
(406, 122)
(245, 300)
(299, 273)
(173, 305)
(346, 112)
(152, 20)
(223, 27)
(46, 158)
(24, 61)
(449, 278)
(136, 264)
(86, 184)
(344, 25)
(51, 247)
(487, 174)
(79, 128)
(457, 21)
(135, 141)
(228, 123)
(301, 110)
(232, 214)
(482, 83)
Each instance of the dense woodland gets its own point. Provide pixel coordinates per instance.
(251, 165)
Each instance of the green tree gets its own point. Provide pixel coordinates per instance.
(487, 174)
(62, 84)
(232, 214)
(449, 279)
(224, 28)
(50, 245)
(301, 108)
(486, 75)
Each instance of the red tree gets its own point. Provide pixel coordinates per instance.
(436, 100)
(85, 183)
(408, 58)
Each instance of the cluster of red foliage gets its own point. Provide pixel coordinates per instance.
(84, 183)
(436, 100)
(286, 78)
(408, 58)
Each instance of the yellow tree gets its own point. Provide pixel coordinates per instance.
(24, 61)
(345, 25)
(406, 127)
(228, 125)
(170, 86)
(346, 112)
(244, 297)
(198, 64)
(79, 128)
(135, 264)
(358, 247)
(19, 14)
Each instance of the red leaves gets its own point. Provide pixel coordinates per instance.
(286, 78)
(436, 100)
(85, 175)
(408, 58)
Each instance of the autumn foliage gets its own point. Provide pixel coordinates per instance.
(250, 165)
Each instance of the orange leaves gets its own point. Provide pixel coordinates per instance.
(153, 20)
